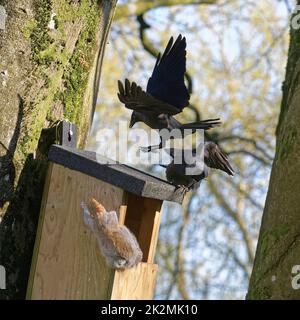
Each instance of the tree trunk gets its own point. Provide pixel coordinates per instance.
(50, 59)
(278, 249)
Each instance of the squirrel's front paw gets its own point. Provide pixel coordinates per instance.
(87, 218)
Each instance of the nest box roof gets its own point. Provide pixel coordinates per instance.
(119, 175)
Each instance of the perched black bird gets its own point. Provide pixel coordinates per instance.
(178, 174)
(166, 94)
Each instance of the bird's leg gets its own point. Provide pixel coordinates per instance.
(190, 185)
(149, 148)
(154, 147)
(184, 189)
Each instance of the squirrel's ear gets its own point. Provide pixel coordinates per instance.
(97, 207)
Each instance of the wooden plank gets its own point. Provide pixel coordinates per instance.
(149, 229)
(69, 264)
(143, 219)
(135, 284)
(119, 175)
(122, 214)
(39, 232)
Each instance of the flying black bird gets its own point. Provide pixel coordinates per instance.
(213, 157)
(166, 94)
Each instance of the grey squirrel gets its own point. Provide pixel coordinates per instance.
(117, 243)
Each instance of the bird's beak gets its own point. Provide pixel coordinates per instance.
(132, 122)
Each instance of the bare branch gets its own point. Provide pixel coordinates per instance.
(251, 154)
(235, 217)
(247, 140)
(141, 7)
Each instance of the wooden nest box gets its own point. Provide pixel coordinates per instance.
(67, 263)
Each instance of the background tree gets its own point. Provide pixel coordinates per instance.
(50, 58)
(278, 249)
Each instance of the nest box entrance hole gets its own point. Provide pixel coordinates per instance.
(143, 219)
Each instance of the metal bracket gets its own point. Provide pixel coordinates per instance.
(67, 134)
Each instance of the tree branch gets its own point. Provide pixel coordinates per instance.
(141, 7)
(247, 140)
(251, 154)
(237, 218)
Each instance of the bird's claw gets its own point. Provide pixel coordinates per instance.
(148, 149)
(184, 189)
(145, 149)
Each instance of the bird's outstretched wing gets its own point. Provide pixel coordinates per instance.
(167, 80)
(216, 159)
(137, 99)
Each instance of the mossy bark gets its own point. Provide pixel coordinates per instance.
(278, 247)
(50, 59)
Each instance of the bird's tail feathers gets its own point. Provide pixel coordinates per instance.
(163, 165)
(204, 124)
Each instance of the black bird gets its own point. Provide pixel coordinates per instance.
(166, 94)
(213, 157)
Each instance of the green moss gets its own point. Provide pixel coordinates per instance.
(76, 75)
(290, 82)
(286, 143)
(39, 111)
(259, 294)
(271, 237)
(257, 276)
(40, 38)
(64, 73)
(28, 28)
(48, 56)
